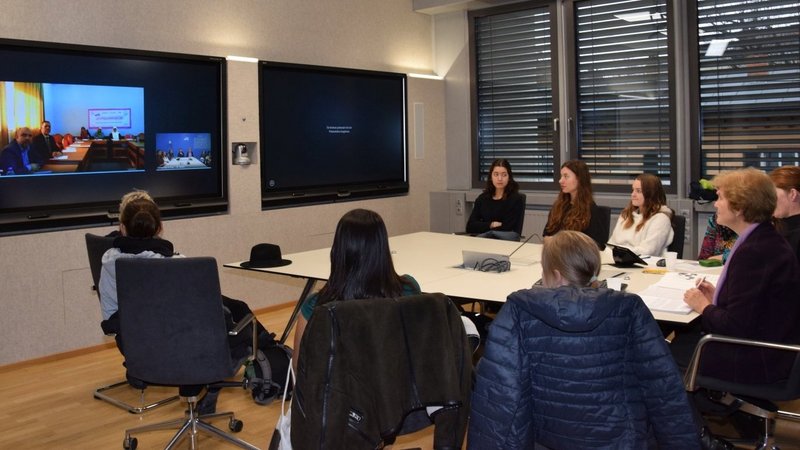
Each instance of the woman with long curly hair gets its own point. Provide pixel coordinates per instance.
(574, 208)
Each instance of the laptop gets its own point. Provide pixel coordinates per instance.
(485, 262)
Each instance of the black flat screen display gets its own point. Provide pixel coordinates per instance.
(331, 134)
(119, 119)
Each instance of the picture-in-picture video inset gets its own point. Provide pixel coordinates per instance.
(89, 128)
(181, 151)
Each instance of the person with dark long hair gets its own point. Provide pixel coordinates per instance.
(645, 225)
(787, 211)
(499, 210)
(574, 208)
(361, 267)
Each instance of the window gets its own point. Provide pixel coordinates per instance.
(513, 95)
(747, 91)
(622, 108)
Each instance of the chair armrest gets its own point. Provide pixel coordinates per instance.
(690, 379)
(246, 320)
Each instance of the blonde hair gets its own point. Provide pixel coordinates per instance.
(748, 191)
(574, 255)
(130, 197)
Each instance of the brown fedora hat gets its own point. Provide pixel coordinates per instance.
(265, 255)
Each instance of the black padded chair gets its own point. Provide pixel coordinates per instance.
(755, 399)
(381, 391)
(96, 246)
(172, 318)
(605, 217)
(679, 231)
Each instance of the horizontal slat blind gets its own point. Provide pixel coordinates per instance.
(750, 95)
(623, 89)
(514, 93)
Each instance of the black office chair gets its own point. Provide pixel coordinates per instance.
(96, 246)
(605, 218)
(422, 362)
(679, 234)
(172, 318)
(754, 399)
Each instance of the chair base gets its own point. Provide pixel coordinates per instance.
(767, 441)
(100, 394)
(190, 426)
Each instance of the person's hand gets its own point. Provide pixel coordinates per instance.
(696, 299)
(717, 257)
(706, 288)
(495, 224)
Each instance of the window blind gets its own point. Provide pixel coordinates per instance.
(749, 83)
(514, 93)
(623, 89)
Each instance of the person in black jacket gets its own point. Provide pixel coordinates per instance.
(499, 211)
(572, 366)
(574, 208)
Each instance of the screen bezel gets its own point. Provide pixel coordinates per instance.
(104, 211)
(316, 194)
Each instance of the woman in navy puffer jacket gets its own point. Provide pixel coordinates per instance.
(570, 366)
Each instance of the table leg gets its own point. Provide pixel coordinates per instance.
(293, 318)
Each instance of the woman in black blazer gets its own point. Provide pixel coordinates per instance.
(756, 296)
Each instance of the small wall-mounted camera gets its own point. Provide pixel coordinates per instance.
(241, 153)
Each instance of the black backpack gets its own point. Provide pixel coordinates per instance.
(266, 375)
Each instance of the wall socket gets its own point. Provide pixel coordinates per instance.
(459, 207)
(687, 236)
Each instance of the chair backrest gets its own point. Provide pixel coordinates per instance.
(96, 246)
(605, 218)
(679, 230)
(521, 217)
(423, 359)
(172, 320)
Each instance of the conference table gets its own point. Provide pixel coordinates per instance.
(435, 261)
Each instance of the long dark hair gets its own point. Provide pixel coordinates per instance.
(573, 215)
(141, 218)
(654, 199)
(511, 188)
(361, 262)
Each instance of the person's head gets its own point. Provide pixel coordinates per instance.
(141, 218)
(570, 258)
(23, 136)
(746, 196)
(575, 180)
(501, 178)
(114, 129)
(83, 129)
(135, 194)
(45, 127)
(787, 189)
(361, 262)
(647, 192)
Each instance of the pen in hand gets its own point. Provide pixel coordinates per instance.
(700, 281)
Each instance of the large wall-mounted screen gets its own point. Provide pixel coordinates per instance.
(330, 134)
(118, 120)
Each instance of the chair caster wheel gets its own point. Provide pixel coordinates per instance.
(130, 443)
(235, 425)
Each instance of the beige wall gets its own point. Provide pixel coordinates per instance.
(47, 304)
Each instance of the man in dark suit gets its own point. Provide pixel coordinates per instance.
(44, 146)
(15, 158)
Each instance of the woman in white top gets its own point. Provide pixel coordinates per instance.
(645, 225)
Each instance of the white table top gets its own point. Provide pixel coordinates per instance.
(431, 258)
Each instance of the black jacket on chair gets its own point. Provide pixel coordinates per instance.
(368, 366)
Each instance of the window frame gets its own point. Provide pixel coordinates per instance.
(572, 122)
(476, 175)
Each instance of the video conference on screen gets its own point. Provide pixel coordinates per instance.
(95, 129)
